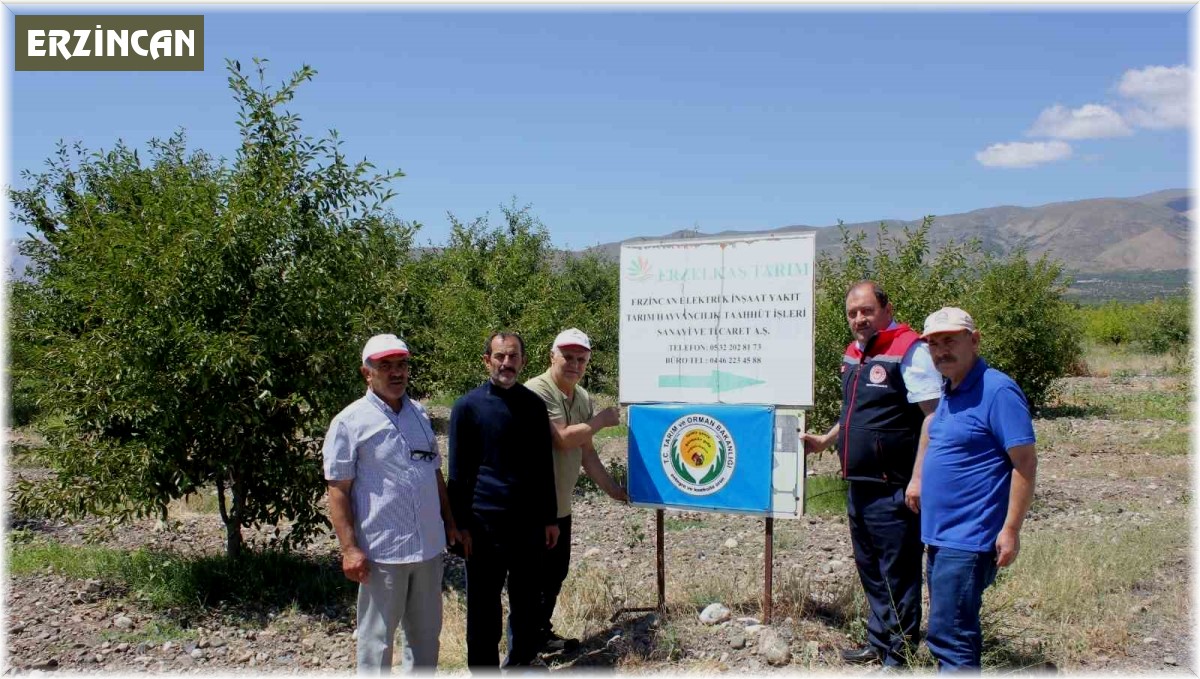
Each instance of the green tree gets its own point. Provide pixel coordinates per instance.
(1164, 326)
(202, 323)
(1028, 331)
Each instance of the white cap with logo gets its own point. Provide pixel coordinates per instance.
(571, 337)
(948, 319)
(382, 346)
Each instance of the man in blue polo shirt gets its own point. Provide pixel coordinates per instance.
(978, 466)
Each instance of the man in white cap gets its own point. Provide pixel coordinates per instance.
(389, 508)
(978, 467)
(573, 423)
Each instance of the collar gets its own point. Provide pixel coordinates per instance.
(968, 383)
(496, 390)
(382, 405)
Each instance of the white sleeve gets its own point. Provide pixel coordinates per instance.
(923, 381)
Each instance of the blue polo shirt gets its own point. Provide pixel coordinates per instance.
(967, 473)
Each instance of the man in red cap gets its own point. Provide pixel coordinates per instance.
(389, 508)
(573, 422)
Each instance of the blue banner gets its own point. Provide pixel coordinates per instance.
(713, 457)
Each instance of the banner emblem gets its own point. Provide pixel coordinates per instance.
(698, 454)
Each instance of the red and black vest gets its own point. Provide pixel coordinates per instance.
(879, 429)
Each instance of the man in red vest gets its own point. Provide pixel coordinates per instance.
(890, 390)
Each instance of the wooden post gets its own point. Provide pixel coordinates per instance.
(769, 569)
(660, 561)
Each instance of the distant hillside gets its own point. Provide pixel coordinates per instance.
(1099, 235)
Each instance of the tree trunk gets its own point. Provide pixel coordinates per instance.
(231, 515)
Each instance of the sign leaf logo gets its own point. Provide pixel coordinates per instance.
(698, 454)
(639, 269)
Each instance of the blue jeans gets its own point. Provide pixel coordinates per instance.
(956, 582)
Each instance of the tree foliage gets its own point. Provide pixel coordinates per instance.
(201, 323)
(488, 278)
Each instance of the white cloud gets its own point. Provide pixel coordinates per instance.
(1090, 121)
(1023, 154)
(1158, 96)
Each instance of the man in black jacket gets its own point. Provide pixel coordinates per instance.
(503, 499)
(890, 390)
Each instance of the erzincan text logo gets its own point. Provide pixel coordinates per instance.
(120, 42)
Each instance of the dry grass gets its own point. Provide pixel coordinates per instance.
(1104, 360)
(1079, 593)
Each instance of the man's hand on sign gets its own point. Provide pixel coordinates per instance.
(814, 443)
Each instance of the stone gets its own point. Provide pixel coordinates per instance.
(218, 642)
(123, 622)
(714, 613)
(754, 629)
(122, 647)
(737, 641)
(198, 653)
(1149, 640)
(1170, 660)
(203, 643)
(17, 628)
(168, 646)
(592, 553)
(731, 543)
(774, 648)
(186, 660)
(749, 621)
(45, 664)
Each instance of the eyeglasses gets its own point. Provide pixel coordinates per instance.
(426, 455)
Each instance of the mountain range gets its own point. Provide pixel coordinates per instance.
(1097, 235)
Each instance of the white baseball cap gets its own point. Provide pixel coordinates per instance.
(571, 337)
(382, 346)
(948, 319)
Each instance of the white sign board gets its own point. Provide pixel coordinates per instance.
(718, 320)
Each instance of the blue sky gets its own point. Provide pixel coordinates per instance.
(615, 124)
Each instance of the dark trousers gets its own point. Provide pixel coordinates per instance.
(558, 562)
(956, 583)
(887, 550)
(504, 549)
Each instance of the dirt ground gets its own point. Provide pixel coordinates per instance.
(1094, 473)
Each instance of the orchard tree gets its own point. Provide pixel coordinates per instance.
(200, 324)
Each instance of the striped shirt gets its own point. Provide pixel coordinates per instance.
(394, 498)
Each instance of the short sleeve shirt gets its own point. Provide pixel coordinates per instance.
(569, 411)
(967, 474)
(394, 498)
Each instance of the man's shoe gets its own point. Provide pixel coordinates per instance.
(861, 656)
(556, 643)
